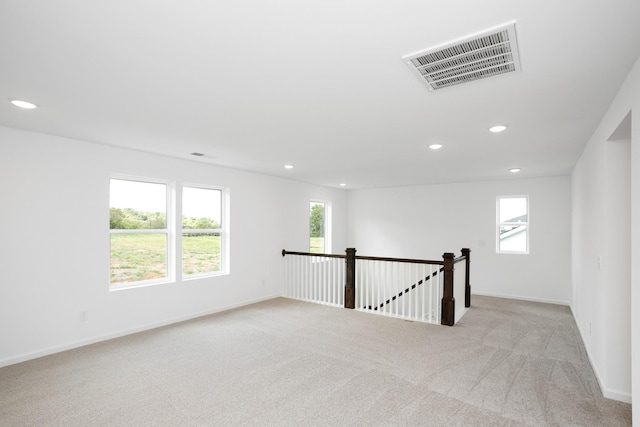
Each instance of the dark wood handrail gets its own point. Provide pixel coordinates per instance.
(460, 258)
(285, 252)
(368, 258)
(407, 260)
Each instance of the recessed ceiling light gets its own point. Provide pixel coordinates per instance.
(497, 129)
(23, 104)
(342, 184)
(435, 146)
(289, 166)
(515, 170)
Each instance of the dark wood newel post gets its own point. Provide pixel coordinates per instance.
(466, 252)
(350, 279)
(448, 302)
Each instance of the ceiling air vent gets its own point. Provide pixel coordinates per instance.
(476, 57)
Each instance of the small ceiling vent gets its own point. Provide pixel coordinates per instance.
(476, 57)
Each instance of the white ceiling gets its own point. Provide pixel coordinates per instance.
(255, 84)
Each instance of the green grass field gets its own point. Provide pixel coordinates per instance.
(316, 245)
(200, 254)
(137, 257)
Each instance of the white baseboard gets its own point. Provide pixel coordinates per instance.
(617, 395)
(606, 392)
(149, 326)
(518, 297)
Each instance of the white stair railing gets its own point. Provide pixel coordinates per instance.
(315, 278)
(418, 290)
(407, 290)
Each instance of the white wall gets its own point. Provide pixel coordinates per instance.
(426, 221)
(606, 216)
(55, 242)
(616, 268)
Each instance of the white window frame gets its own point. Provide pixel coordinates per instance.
(168, 231)
(526, 223)
(223, 230)
(327, 224)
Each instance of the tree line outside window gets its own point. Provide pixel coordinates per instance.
(319, 217)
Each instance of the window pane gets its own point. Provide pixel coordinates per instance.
(200, 253)
(136, 205)
(513, 209)
(513, 238)
(316, 227)
(201, 208)
(136, 257)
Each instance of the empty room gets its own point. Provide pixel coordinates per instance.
(319, 213)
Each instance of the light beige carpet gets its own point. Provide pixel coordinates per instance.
(285, 362)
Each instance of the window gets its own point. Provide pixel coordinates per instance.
(140, 236)
(145, 249)
(202, 232)
(319, 227)
(513, 225)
